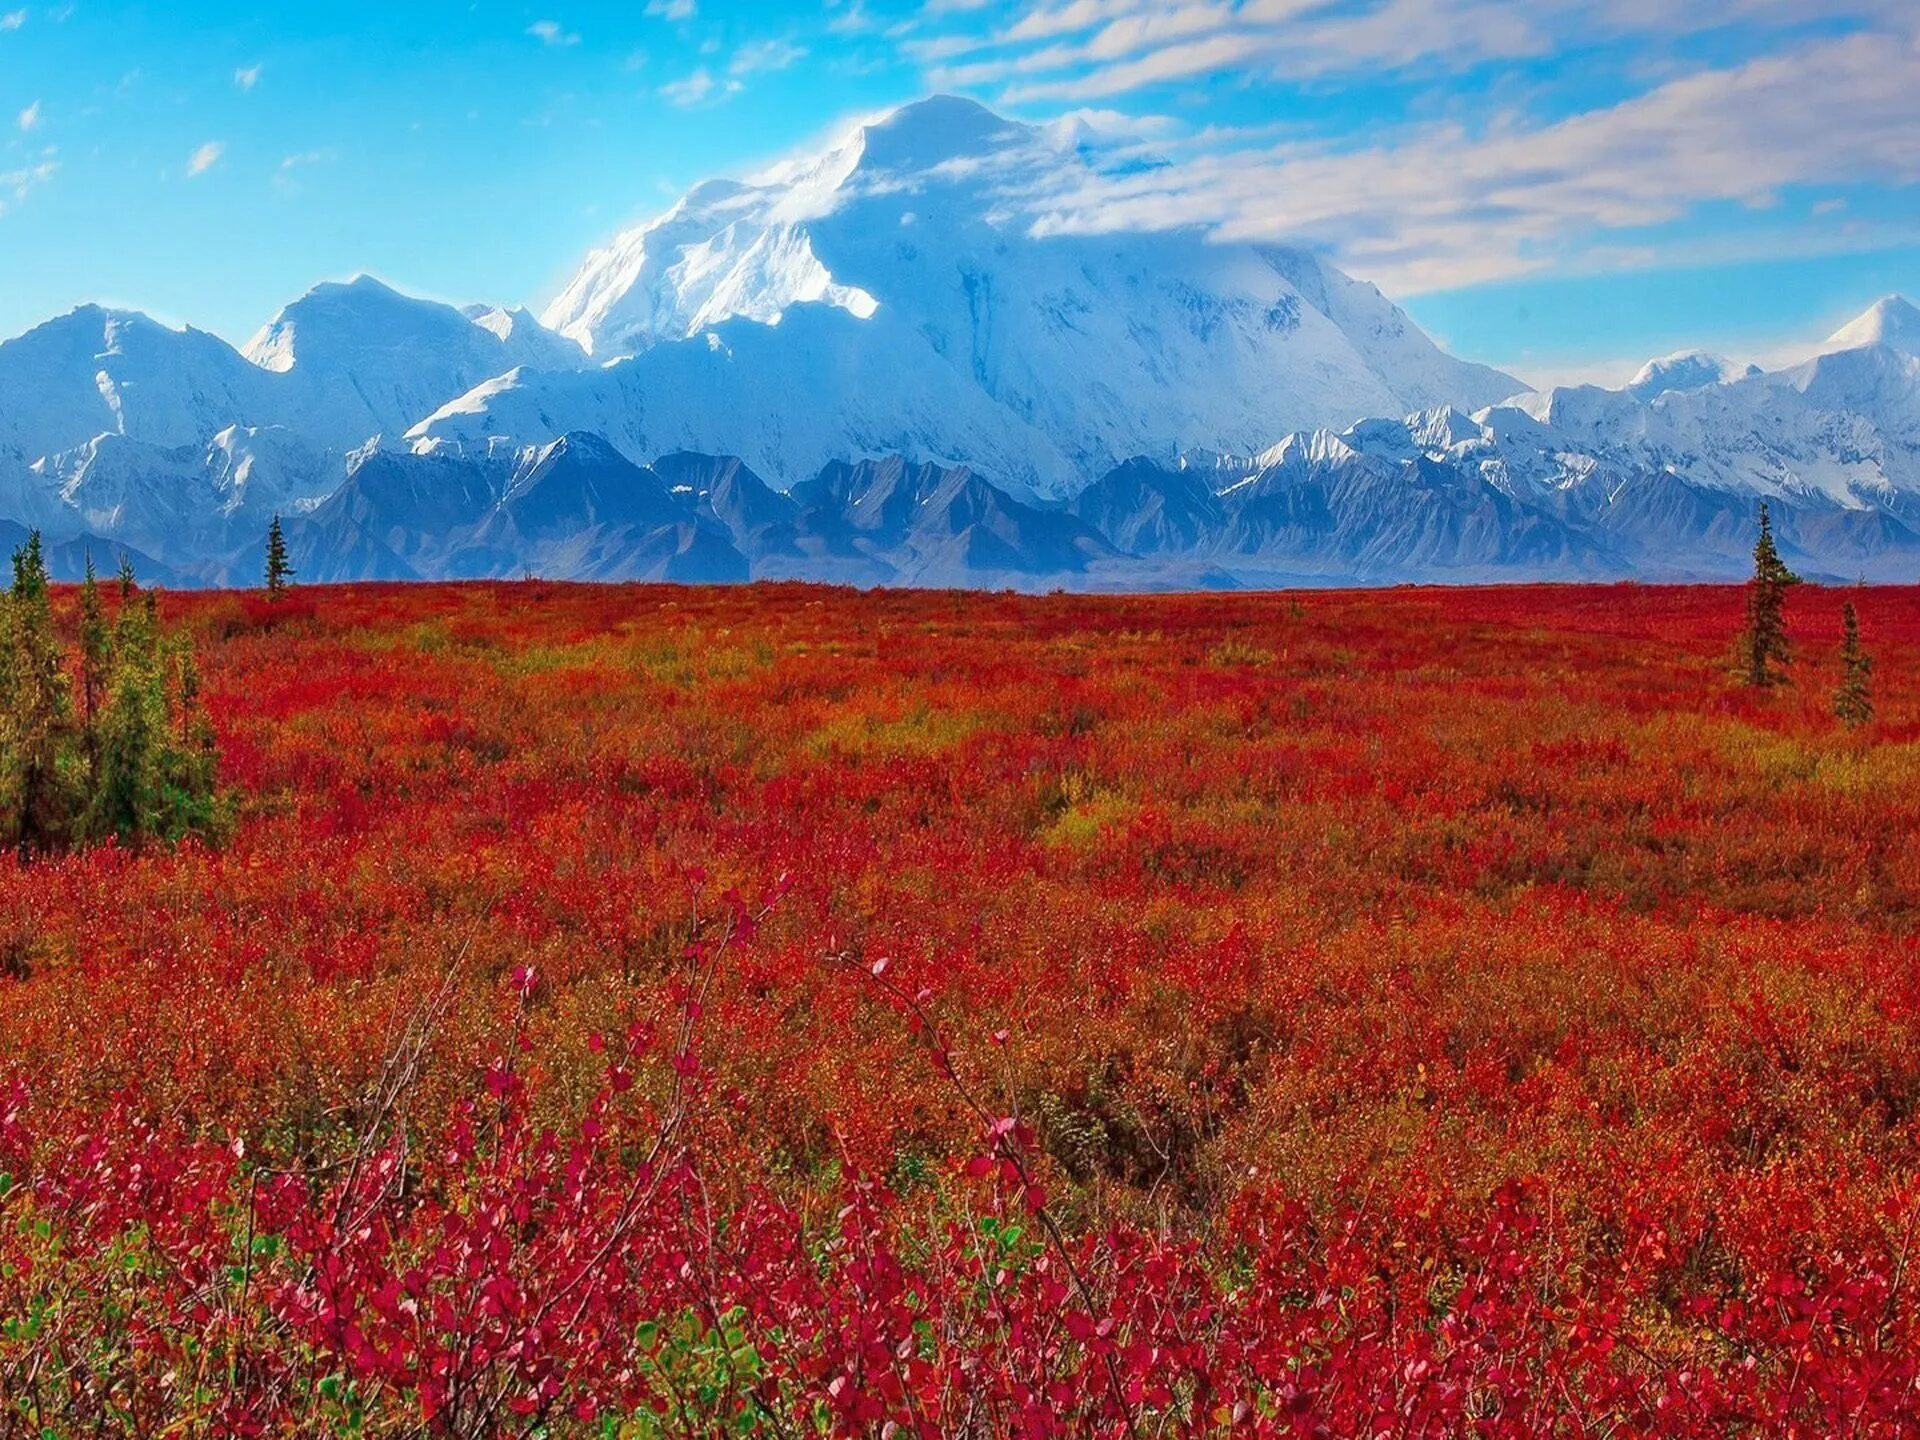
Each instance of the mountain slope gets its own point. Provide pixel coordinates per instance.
(67, 559)
(1146, 508)
(820, 387)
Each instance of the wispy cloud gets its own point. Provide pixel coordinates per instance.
(700, 88)
(765, 55)
(287, 177)
(30, 117)
(17, 184)
(12, 19)
(850, 17)
(248, 77)
(1067, 50)
(553, 34)
(675, 10)
(1440, 205)
(206, 157)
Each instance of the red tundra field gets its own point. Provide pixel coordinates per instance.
(781, 1011)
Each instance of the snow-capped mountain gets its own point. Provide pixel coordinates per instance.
(340, 364)
(117, 426)
(1842, 428)
(1657, 480)
(885, 364)
(361, 359)
(113, 372)
(900, 292)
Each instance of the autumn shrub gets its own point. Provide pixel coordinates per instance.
(640, 1011)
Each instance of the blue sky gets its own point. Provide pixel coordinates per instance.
(1563, 187)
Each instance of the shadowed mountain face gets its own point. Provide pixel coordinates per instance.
(1150, 509)
(575, 509)
(1315, 510)
(933, 525)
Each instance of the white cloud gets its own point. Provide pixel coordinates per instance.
(765, 55)
(1439, 205)
(287, 177)
(16, 185)
(552, 34)
(853, 18)
(698, 88)
(677, 10)
(13, 19)
(30, 117)
(206, 157)
(248, 77)
(1090, 49)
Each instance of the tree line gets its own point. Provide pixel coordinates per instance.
(107, 740)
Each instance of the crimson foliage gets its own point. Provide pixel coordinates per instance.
(784, 1011)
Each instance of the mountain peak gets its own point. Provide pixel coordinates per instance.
(1891, 320)
(93, 319)
(362, 289)
(1687, 370)
(582, 447)
(364, 283)
(935, 131)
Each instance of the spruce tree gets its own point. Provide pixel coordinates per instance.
(137, 761)
(1853, 701)
(190, 763)
(1764, 651)
(129, 795)
(9, 771)
(279, 571)
(94, 659)
(40, 786)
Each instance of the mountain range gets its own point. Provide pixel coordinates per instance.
(887, 364)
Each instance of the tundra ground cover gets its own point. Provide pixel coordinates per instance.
(784, 1011)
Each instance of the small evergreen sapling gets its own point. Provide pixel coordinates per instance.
(1853, 701)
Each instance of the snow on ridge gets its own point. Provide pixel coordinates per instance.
(1687, 370)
